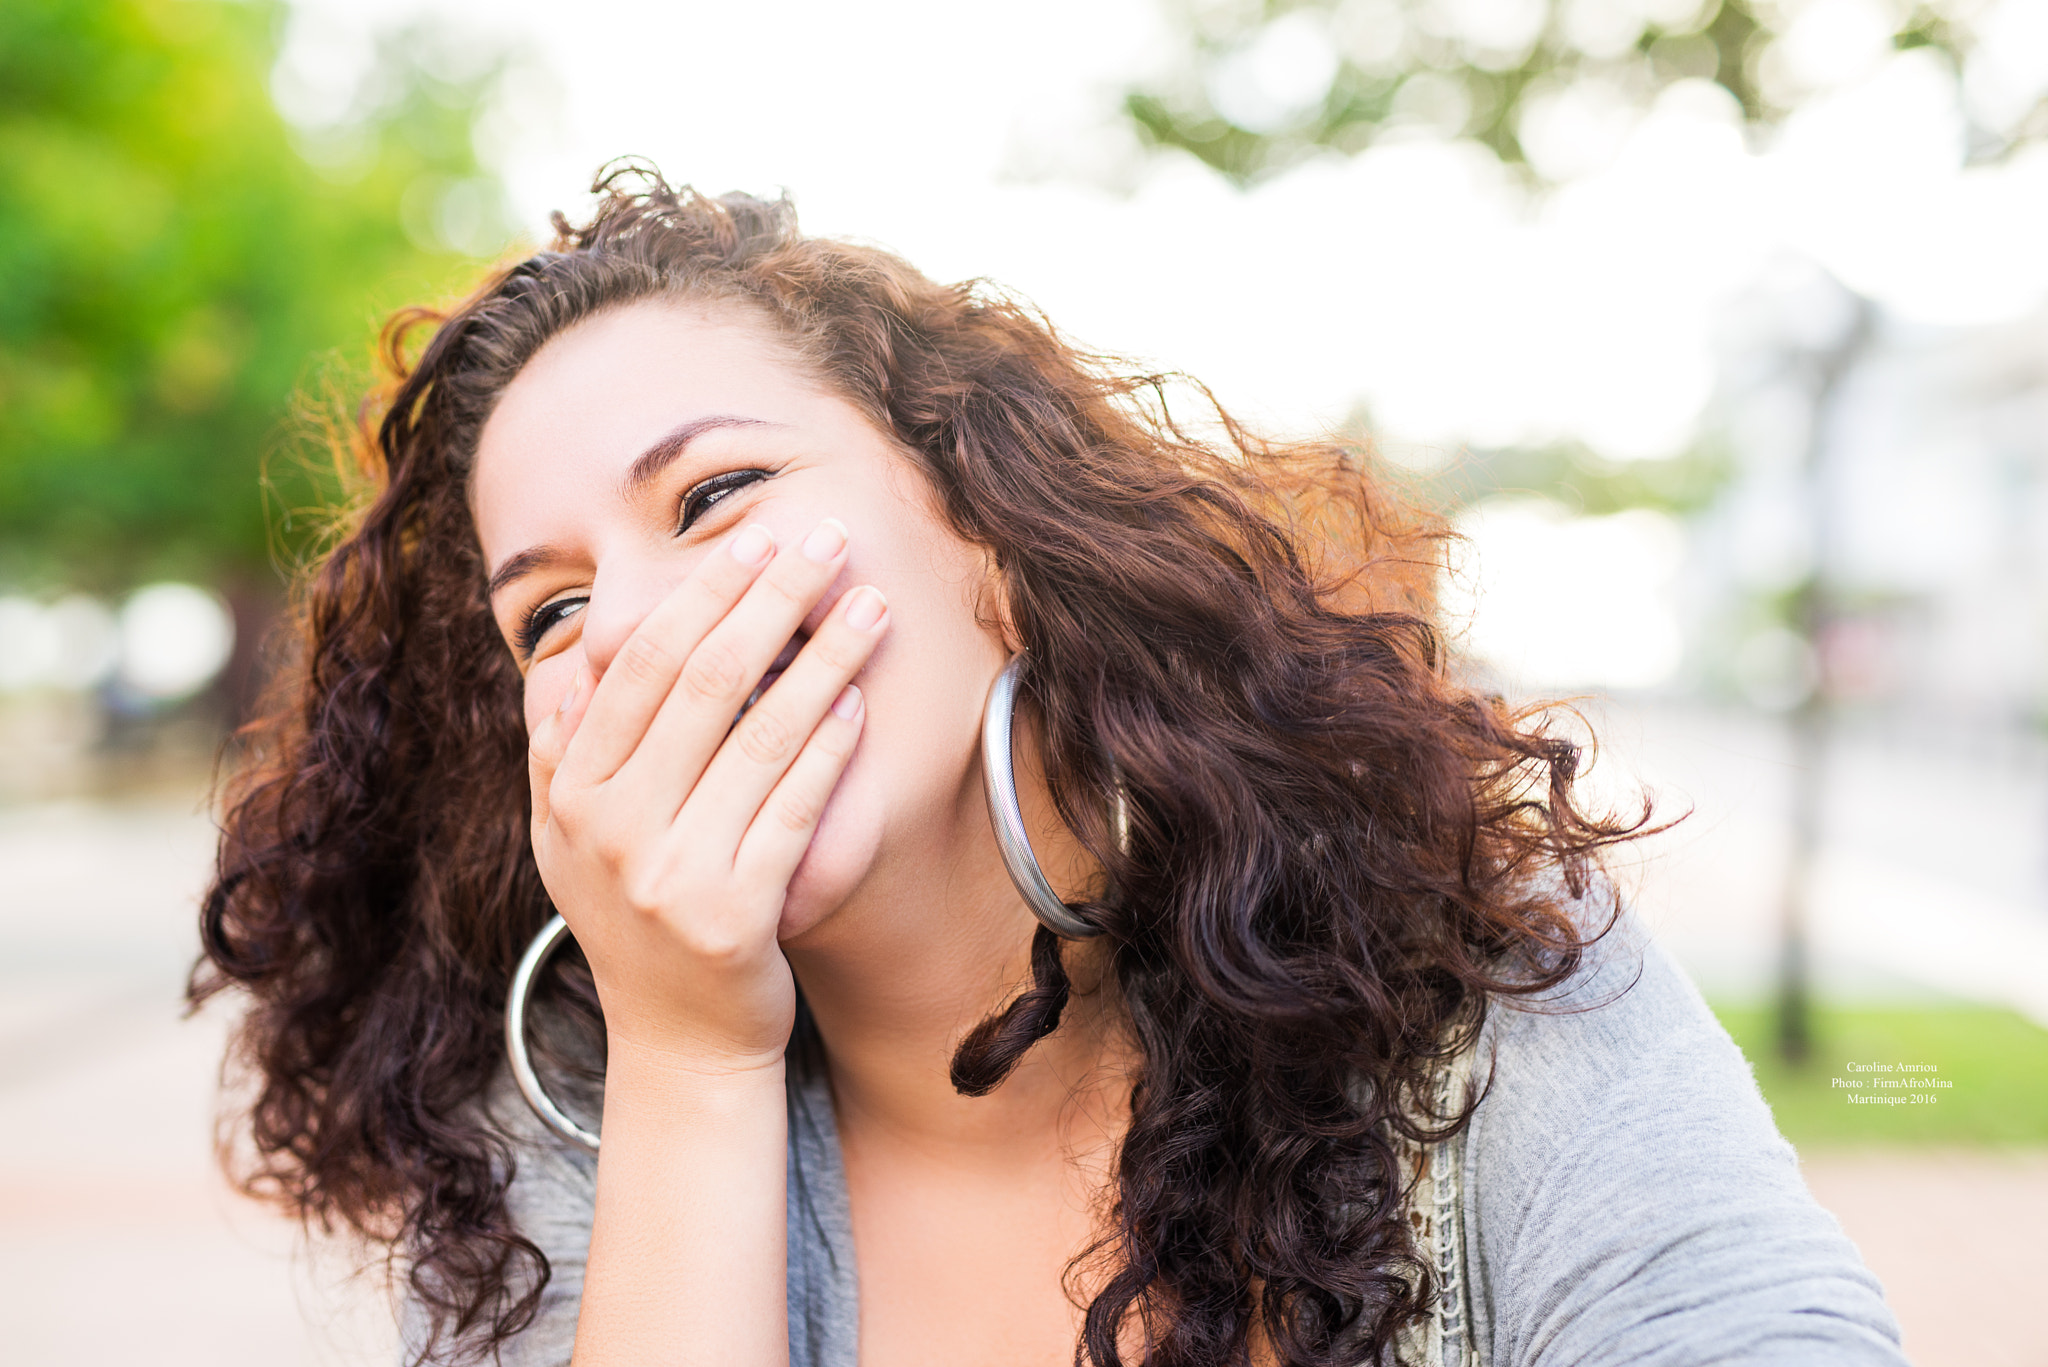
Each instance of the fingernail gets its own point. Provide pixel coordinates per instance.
(569, 698)
(826, 541)
(753, 545)
(847, 703)
(867, 607)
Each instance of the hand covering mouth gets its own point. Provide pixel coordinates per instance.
(775, 667)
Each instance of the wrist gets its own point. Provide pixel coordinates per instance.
(671, 1075)
(663, 1036)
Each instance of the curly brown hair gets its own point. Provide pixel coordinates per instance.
(1337, 851)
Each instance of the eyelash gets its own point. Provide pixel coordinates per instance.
(541, 618)
(700, 497)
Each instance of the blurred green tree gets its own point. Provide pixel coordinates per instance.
(174, 265)
(1260, 84)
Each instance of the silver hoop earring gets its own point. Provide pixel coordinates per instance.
(554, 1117)
(999, 783)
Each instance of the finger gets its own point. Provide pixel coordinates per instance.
(781, 831)
(723, 670)
(646, 667)
(550, 738)
(767, 740)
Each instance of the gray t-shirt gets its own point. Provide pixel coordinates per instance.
(1627, 1198)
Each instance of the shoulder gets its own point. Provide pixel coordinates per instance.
(1629, 1197)
(552, 1191)
(550, 1200)
(1625, 1010)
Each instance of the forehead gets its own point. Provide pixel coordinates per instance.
(577, 415)
(621, 379)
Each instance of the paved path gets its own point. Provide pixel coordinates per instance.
(119, 1244)
(1932, 879)
(1956, 1238)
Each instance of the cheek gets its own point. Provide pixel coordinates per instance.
(852, 835)
(547, 683)
(912, 787)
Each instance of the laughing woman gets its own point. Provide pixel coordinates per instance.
(1031, 891)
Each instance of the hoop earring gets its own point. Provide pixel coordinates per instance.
(999, 784)
(516, 1053)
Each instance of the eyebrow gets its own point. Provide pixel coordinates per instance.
(659, 456)
(646, 466)
(519, 566)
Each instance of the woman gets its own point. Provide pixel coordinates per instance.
(700, 563)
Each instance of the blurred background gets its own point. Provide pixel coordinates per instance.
(1720, 326)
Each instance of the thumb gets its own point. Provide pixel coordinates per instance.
(551, 740)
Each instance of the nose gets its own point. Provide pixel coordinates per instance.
(622, 593)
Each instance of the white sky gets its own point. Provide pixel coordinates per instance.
(977, 139)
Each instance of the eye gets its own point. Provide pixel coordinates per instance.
(543, 618)
(700, 497)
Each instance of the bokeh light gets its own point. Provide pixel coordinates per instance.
(1552, 601)
(174, 640)
(167, 642)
